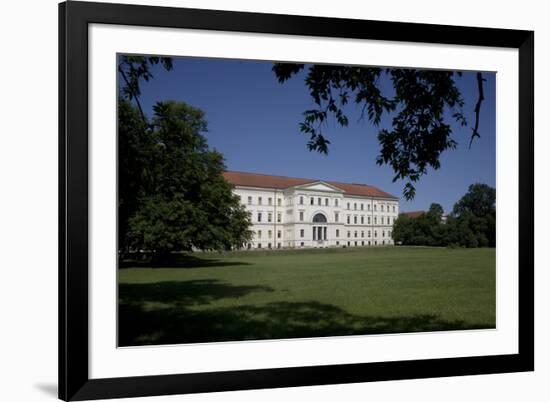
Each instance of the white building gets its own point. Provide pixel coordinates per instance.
(291, 212)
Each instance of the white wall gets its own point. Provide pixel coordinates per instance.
(28, 202)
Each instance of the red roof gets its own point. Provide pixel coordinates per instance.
(281, 182)
(413, 214)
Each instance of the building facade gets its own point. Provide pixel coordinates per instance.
(290, 212)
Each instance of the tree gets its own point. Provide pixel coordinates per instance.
(136, 147)
(421, 100)
(187, 203)
(172, 195)
(479, 200)
(475, 215)
(472, 223)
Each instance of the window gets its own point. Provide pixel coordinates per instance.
(355, 206)
(375, 233)
(383, 233)
(368, 235)
(278, 245)
(362, 242)
(355, 220)
(259, 245)
(362, 234)
(279, 217)
(375, 207)
(368, 242)
(375, 220)
(326, 202)
(319, 218)
(259, 216)
(269, 234)
(259, 234)
(336, 217)
(394, 208)
(301, 216)
(348, 205)
(336, 202)
(249, 200)
(268, 245)
(383, 242)
(337, 233)
(269, 217)
(337, 243)
(362, 219)
(355, 234)
(348, 219)
(356, 244)
(301, 232)
(301, 200)
(269, 201)
(259, 200)
(278, 234)
(368, 207)
(362, 206)
(349, 234)
(302, 244)
(312, 201)
(279, 202)
(388, 220)
(319, 201)
(348, 243)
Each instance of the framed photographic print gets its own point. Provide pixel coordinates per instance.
(257, 200)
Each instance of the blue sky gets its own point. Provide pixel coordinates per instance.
(254, 121)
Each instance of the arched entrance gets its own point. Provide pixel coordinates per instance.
(319, 229)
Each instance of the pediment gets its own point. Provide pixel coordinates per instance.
(319, 186)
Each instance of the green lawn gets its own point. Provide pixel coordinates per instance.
(307, 293)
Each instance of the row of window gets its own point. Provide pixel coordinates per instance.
(302, 233)
(319, 201)
(270, 217)
(361, 205)
(269, 201)
(326, 203)
(302, 244)
(269, 234)
(389, 220)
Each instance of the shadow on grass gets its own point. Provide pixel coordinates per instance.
(177, 321)
(183, 294)
(180, 261)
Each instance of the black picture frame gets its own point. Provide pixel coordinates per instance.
(74, 381)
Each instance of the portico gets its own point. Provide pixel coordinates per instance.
(319, 229)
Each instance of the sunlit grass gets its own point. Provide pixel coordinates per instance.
(306, 293)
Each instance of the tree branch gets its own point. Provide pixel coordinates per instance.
(135, 96)
(481, 98)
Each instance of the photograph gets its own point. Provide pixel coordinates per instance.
(265, 199)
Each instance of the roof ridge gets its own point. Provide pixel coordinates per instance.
(270, 175)
(301, 178)
(340, 184)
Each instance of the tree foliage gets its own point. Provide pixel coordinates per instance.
(420, 104)
(472, 223)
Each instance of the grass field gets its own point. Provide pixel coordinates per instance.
(307, 293)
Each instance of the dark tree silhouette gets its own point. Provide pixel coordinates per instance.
(419, 133)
